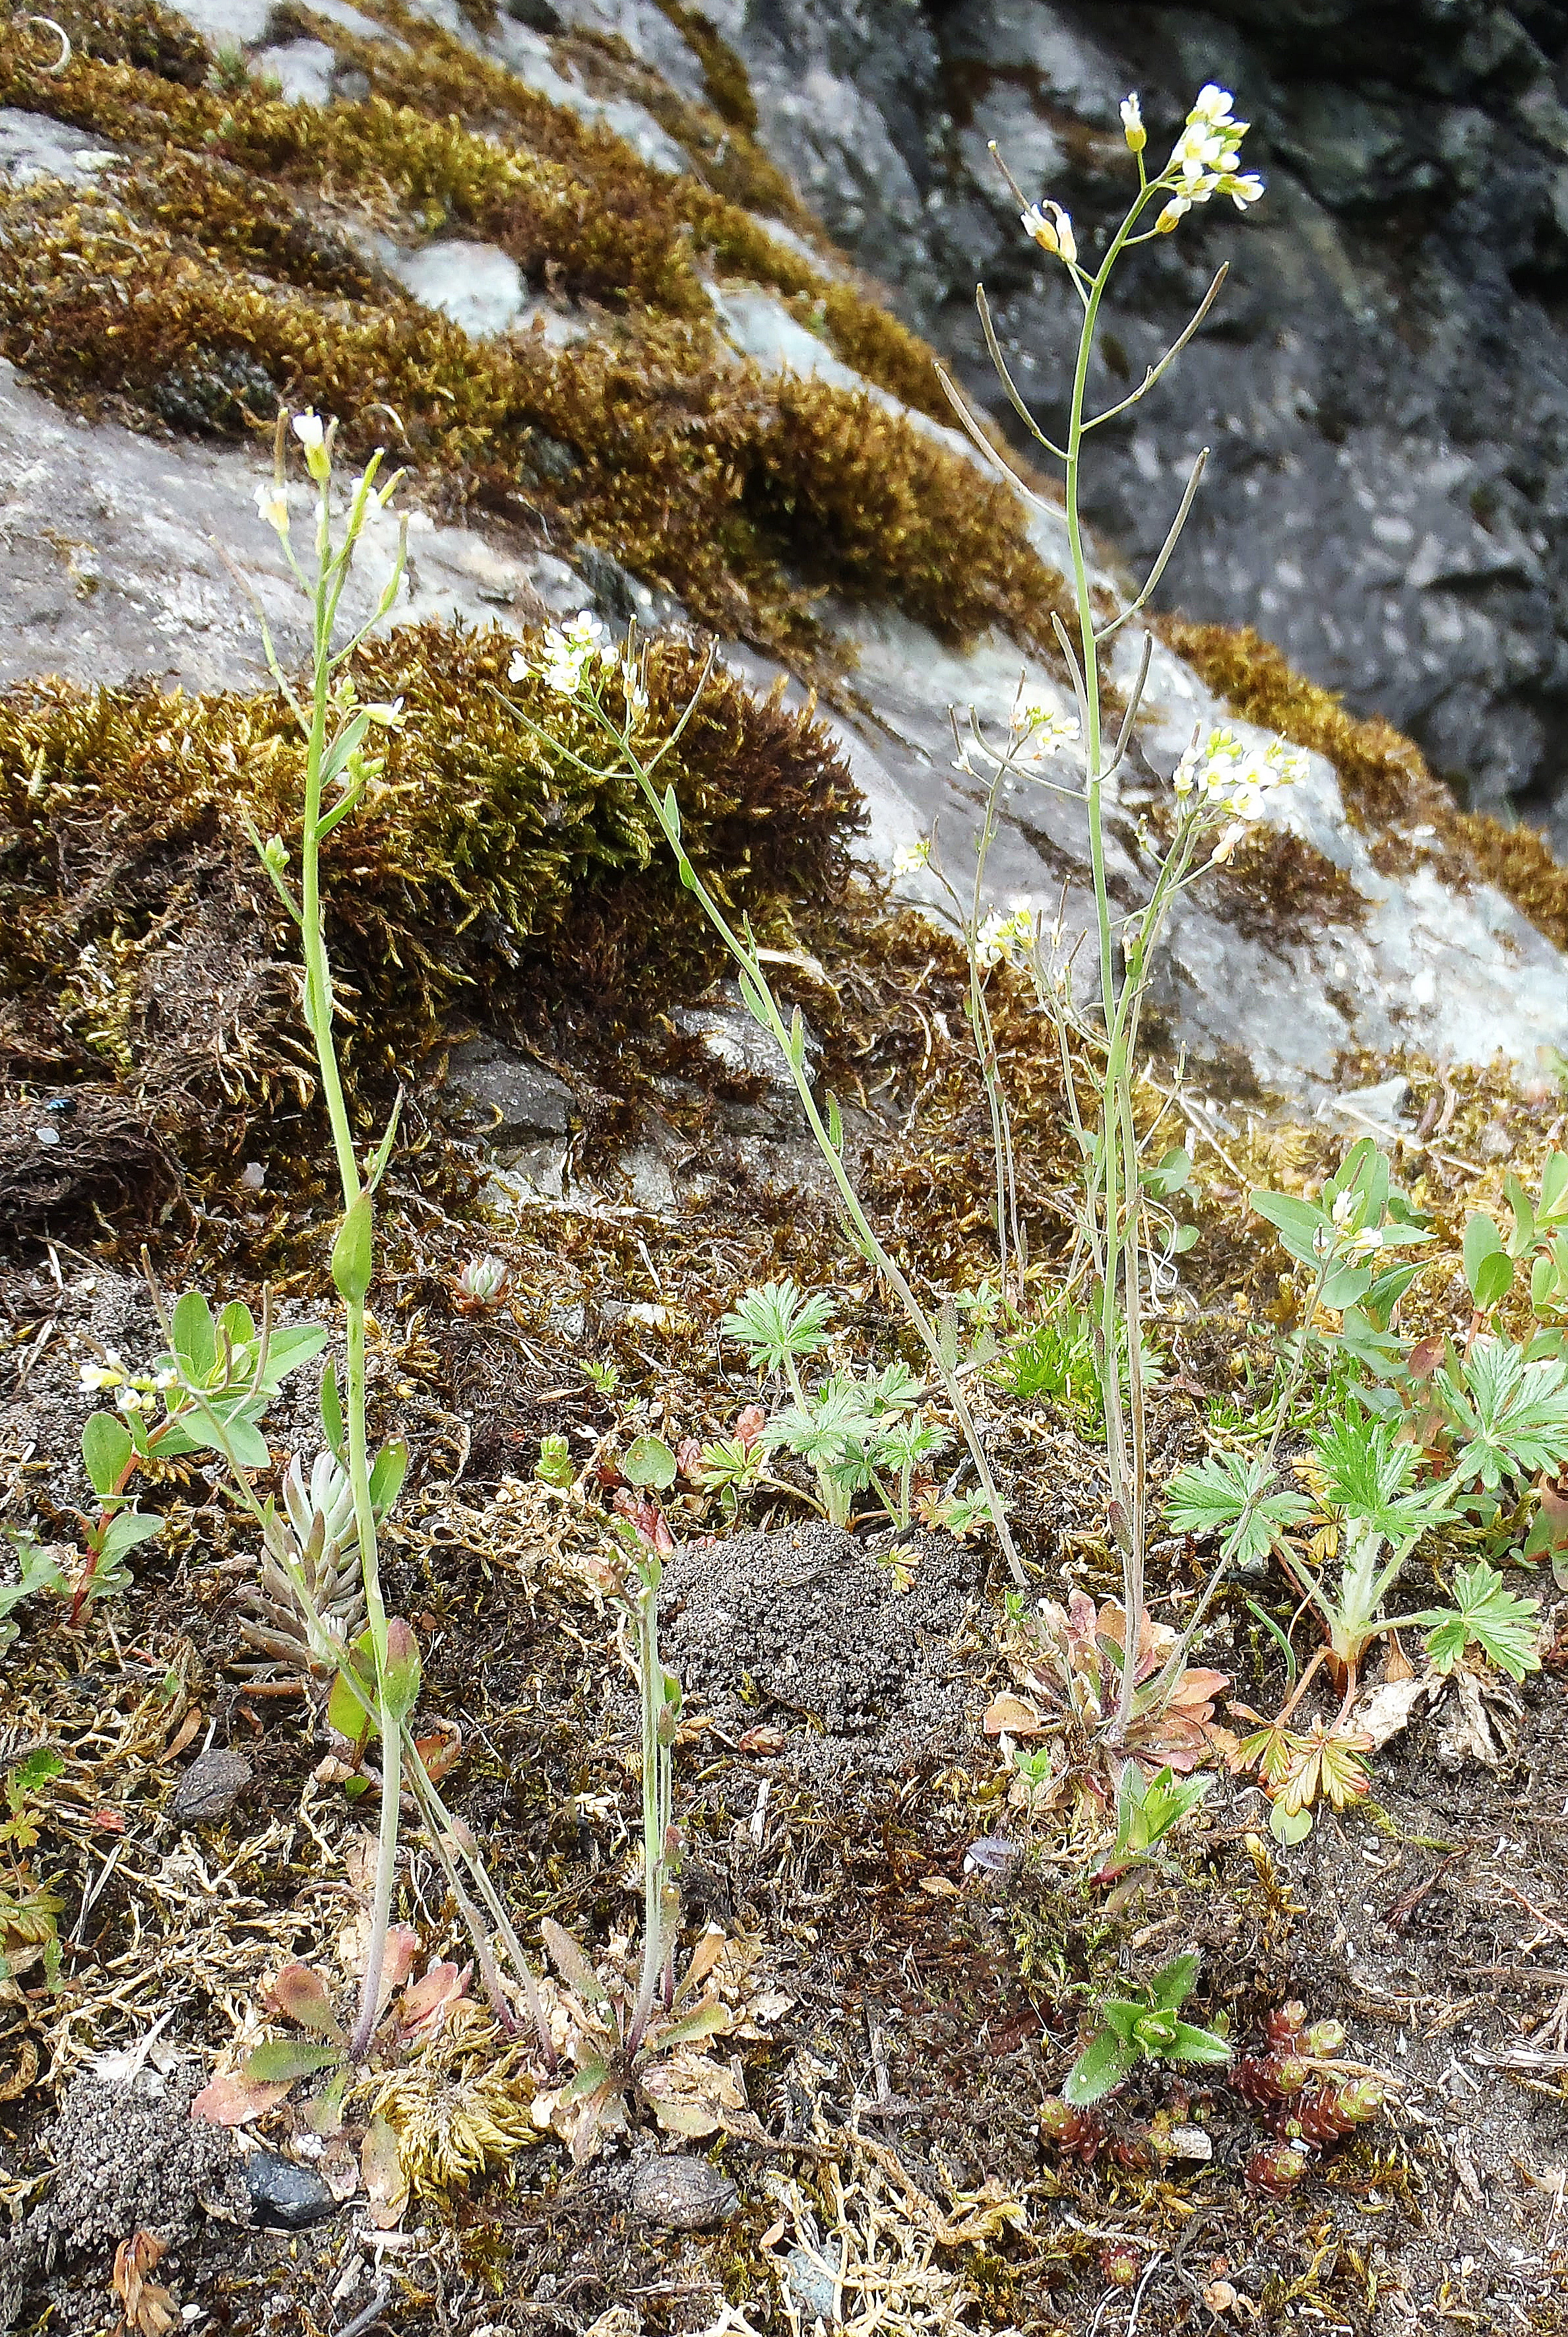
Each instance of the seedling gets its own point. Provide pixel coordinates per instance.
(1143, 2026)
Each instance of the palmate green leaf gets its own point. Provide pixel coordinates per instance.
(1102, 2064)
(1225, 1495)
(777, 1319)
(1486, 1615)
(1369, 1472)
(1513, 1414)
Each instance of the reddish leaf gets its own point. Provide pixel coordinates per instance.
(751, 1423)
(300, 1995)
(424, 2006)
(233, 2100)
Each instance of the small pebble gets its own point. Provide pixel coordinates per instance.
(1189, 2142)
(48, 1135)
(811, 2287)
(285, 2198)
(211, 1786)
(682, 2195)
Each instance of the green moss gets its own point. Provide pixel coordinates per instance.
(724, 76)
(1384, 776)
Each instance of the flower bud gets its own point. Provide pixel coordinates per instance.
(1137, 137)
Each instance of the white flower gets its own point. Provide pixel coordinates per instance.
(386, 714)
(131, 1399)
(311, 433)
(272, 505)
(1132, 123)
(1172, 211)
(910, 856)
(568, 651)
(1227, 776)
(95, 1377)
(1052, 228)
(1243, 188)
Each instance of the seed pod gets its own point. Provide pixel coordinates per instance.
(1284, 2025)
(1278, 2169)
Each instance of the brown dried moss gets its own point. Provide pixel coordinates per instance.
(1384, 776)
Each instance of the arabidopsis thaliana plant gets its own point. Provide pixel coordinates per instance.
(568, 651)
(1204, 158)
(1226, 774)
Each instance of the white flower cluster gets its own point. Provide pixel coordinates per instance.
(1011, 936)
(568, 652)
(1203, 159)
(1039, 727)
(1229, 774)
(910, 857)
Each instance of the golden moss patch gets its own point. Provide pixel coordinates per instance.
(1384, 776)
(140, 944)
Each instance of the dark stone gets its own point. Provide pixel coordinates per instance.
(537, 15)
(514, 1101)
(285, 2198)
(217, 394)
(614, 590)
(548, 458)
(211, 1786)
(682, 2195)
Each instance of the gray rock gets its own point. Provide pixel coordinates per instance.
(477, 285)
(127, 2157)
(285, 2198)
(811, 2284)
(682, 2195)
(303, 71)
(211, 1786)
(510, 1095)
(35, 146)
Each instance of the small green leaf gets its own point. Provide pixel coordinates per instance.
(1193, 2044)
(279, 2062)
(353, 1251)
(835, 1124)
(195, 1336)
(332, 1412)
(387, 1473)
(1173, 1983)
(1290, 1826)
(106, 1448)
(649, 1461)
(1297, 1223)
(399, 1673)
(571, 1963)
(710, 2019)
(125, 1530)
(1101, 2065)
(1486, 1615)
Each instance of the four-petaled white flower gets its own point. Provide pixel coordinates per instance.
(1052, 228)
(909, 857)
(272, 505)
(1039, 727)
(1132, 123)
(567, 652)
(95, 1377)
